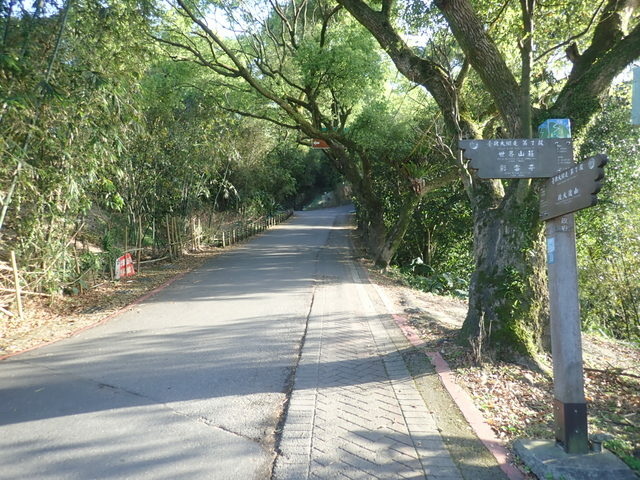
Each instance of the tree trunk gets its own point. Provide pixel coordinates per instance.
(508, 302)
(371, 220)
(508, 297)
(395, 234)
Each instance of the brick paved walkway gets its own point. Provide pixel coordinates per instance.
(355, 412)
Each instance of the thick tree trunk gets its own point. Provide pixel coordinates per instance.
(393, 239)
(508, 297)
(508, 302)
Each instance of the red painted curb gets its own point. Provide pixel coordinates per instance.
(464, 402)
(106, 319)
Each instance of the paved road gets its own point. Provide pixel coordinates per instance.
(195, 382)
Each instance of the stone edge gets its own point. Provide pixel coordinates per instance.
(459, 396)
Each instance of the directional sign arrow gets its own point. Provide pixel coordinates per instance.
(573, 189)
(319, 143)
(518, 157)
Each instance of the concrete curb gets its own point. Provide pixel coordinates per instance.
(459, 396)
(547, 460)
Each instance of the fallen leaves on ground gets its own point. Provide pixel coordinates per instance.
(49, 319)
(517, 401)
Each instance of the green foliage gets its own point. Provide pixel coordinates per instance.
(61, 114)
(97, 136)
(440, 235)
(608, 241)
(424, 277)
(624, 450)
(347, 65)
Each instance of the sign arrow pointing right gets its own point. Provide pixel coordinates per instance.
(572, 189)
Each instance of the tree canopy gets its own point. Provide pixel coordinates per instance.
(131, 115)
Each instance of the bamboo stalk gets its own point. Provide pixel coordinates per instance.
(155, 259)
(78, 270)
(134, 250)
(193, 240)
(169, 237)
(16, 279)
(176, 237)
(25, 292)
(139, 245)
(126, 238)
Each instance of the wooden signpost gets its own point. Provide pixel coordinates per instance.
(572, 189)
(569, 188)
(518, 157)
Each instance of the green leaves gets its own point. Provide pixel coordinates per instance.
(347, 65)
(608, 240)
(10, 64)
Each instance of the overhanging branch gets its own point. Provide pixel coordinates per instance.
(244, 113)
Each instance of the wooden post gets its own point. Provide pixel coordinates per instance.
(16, 279)
(169, 236)
(569, 405)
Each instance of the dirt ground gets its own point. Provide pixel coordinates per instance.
(516, 401)
(47, 319)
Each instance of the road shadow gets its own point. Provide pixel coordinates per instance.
(174, 366)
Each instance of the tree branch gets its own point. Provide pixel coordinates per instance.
(216, 67)
(246, 74)
(498, 15)
(462, 75)
(260, 117)
(573, 37)
(325, 24)
(593, 73)
(387, 5)
(422, 71)
(608, 32)
(485, 57)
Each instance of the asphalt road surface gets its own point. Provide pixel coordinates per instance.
(189, 384)
(195, 382)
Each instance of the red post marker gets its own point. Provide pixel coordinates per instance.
(124, 266)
